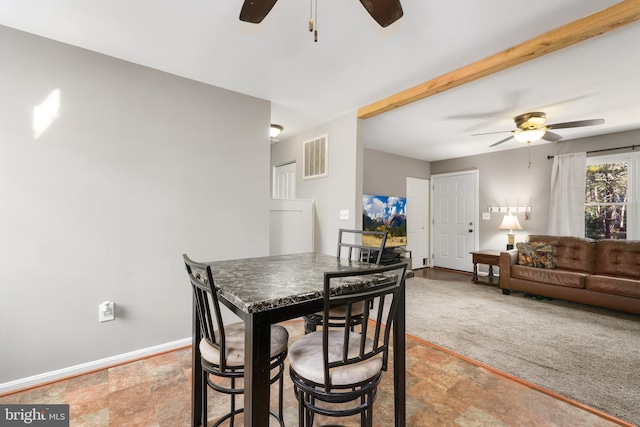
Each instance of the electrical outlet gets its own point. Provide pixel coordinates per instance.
(344, 214)
(106, 311)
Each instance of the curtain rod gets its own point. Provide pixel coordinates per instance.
(633, 147)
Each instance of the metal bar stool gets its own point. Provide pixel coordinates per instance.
(222, 346)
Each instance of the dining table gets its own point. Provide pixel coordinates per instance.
(267, 290)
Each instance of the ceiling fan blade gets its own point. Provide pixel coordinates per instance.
(576, 124)
(385, 12)
(500, 142)
(550, 136)
(491, 133)
(254, 11)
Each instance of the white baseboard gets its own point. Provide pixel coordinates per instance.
(90, 366)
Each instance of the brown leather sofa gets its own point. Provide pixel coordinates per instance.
(604, 273)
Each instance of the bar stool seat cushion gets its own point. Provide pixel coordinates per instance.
(305, 357)
(234, 339)
(356, 310)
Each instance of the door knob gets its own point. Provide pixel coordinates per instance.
(471, 230)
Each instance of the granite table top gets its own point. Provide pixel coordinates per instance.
(260, 284)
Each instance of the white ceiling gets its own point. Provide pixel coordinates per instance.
(356, 62)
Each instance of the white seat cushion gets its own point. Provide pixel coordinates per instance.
(305, 356)
(234, 339)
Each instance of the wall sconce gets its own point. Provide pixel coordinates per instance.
(510, 222)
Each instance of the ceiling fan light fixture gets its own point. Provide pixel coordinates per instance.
(537, 121)
(532, 120)
(275, 130)
(529, 135)
(531, 127)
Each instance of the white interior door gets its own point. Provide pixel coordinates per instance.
(455, 210)
(284, 181)
(418, 221)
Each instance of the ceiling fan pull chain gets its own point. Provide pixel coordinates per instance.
(315, 31)
(313, 19)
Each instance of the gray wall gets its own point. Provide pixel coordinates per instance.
(353, 171)
(340, 190)
(139, 167)
(505, 176)
(386, 174)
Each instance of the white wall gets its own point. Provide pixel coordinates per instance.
(139, 167)
(340, 190)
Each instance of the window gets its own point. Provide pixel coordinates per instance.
(610, 202)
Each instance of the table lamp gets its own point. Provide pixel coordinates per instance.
(510, 222)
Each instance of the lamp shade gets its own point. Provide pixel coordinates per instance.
(510, 222)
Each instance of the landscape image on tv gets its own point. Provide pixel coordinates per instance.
(380, 213)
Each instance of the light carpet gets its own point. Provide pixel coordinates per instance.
(587, 354)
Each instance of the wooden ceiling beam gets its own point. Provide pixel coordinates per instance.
(608, 19)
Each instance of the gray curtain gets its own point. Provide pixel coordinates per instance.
(566, 205)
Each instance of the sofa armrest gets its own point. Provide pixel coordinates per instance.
(507, 259)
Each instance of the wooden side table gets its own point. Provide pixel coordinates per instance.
(490, 257)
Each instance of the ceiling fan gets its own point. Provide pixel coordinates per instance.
(531, 127)
(385, 12)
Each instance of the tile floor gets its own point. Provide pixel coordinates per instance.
(442, 390)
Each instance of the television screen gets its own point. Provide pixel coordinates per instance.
(388, 213)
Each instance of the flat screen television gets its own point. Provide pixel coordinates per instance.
(388, 213)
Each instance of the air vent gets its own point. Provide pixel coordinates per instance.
(315, 158)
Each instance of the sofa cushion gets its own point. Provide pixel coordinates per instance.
(536, 254)
(570, 279)
(570, 253)
(613, 285)
(619, 258)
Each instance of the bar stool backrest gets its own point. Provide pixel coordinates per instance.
(205, 297)
(381, 289)
(362, 251)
